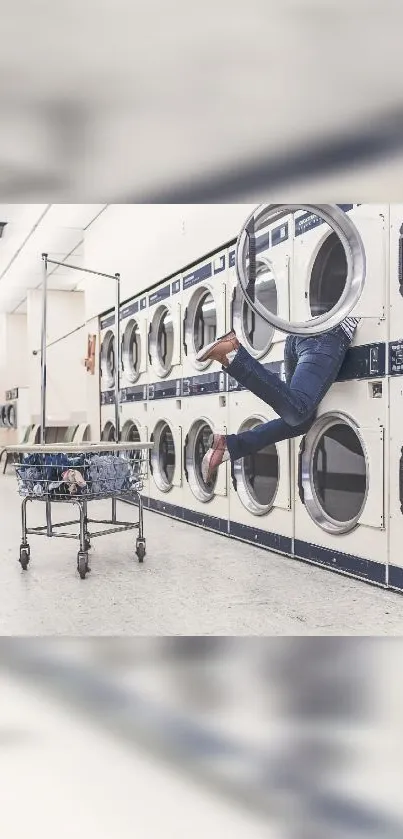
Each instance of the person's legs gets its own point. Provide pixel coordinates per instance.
(253, 441)
(319, 362)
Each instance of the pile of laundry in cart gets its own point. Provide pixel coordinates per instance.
(63, 475)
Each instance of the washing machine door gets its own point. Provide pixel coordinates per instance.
(305, 217)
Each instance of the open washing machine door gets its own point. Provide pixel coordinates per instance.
(279, 221)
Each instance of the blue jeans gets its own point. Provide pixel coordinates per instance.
(312, 365)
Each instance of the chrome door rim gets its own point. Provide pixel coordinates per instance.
(353, 246)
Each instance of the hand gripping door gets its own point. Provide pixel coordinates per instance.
(247, 263)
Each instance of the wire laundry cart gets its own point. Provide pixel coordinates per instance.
(77, 475)
(84, 473)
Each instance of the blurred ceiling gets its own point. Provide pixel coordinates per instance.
(33, 229)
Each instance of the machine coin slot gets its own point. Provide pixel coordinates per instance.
(376, 390)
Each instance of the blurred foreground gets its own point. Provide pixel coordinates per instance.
(280, 738)
(178, 102)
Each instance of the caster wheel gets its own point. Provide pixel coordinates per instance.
(141, 551)
(25, 557)
(87, 545)
(82, 565)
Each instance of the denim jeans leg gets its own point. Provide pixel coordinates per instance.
(319, 361)
(253, 441)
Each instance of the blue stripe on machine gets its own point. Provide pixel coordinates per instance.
(374, 572)
(138, 393)
(262, 538)
(203, 273)
(204, 384)
(158, 296)
(309, 220)
(396, 358)
(165, 390)
(107, 321)
(129, 310)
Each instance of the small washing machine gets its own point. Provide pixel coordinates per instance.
(260, 491)
(134, 349)
(107, 354)
(204, 504)
(108, 420)
(396, 286)
(319, 269)
(164, 417)
(165, 339)
(340, 492)
(274, 248)
(134, 429)
(204, 311)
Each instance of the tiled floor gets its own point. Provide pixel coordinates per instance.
(193, 583)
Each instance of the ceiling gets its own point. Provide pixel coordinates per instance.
(33, 229)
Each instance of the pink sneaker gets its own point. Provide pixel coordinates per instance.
(215, 456)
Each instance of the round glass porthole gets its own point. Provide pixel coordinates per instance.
(131, 351)
(130, 433)
(3, 416)
(163, 456)
(162, 341)
(198, 442)
(335, 474)
(10, 416)
(108, 433)
(257, 475)
(328, 277)
(253, 331)
(301, 218)
(200, 323)
(108, 360)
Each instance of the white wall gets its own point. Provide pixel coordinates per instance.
(66, 378)
(148, 242)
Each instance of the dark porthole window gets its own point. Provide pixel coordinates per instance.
(339, 471)
(329, 276)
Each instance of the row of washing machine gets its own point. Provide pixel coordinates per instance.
(333, 497)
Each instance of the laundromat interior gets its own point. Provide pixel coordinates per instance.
(331, 499)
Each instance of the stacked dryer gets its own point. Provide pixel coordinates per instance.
(340, 496)
(205, 399)
(260, 496)
(107, 367)
(395, 438)
(164, 415)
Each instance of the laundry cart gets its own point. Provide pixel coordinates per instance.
(78, 475)
(82, 473)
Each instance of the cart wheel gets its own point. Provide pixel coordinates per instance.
(87, 544)
(25, 556)
(82, 565)
(141, 551)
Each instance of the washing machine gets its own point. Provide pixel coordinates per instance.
(107, 357)
(260, 490)
(274, 250)
(134, 429)
(108, 421)
(165, 340)
(204, 311)
(204, 504)
(134, 350)
(165, 428)
(395, 482)
(396, 288)
(341, 498)
(319, 270)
